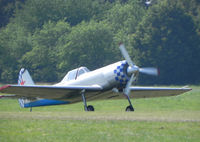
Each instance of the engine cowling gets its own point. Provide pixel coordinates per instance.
(121, 75)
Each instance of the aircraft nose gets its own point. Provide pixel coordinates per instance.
(131, 70)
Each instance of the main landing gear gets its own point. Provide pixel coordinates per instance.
(130, 107)
(87, 108)
(91, 108)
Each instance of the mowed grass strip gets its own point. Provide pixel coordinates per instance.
(95, 130)
(157, 119)
(178, 116)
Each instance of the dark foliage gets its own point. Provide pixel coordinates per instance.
(50, 37)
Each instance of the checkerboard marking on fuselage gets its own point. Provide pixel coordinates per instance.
(120, 75)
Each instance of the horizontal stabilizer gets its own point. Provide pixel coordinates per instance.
(8, 97)
(43, 102)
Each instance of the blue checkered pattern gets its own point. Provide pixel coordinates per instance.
(20, 76)
(120, 74)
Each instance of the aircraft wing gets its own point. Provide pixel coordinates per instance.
(69, 93)
(149, 92)
(140, 92)
(73, 93)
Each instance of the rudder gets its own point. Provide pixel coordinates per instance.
(25, 78)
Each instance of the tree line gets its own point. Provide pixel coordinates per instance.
(51, 37)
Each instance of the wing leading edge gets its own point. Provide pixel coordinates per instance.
(72, 93)
(149, 92)
(142, 92)
(69, 93)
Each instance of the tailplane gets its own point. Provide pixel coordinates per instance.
(25, 78)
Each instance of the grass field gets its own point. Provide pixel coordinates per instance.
(157, 119)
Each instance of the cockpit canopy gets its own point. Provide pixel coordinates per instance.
(75, 73)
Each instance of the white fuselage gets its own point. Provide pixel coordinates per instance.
(106, 77)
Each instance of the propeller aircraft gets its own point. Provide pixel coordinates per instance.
(110, 82)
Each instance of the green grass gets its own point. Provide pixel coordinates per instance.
(156, 119)
(87, 130)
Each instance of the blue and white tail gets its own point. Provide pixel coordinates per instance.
(25, 78)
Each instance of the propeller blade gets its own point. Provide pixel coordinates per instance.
(127, 89)
(126, 55)
(149, 71)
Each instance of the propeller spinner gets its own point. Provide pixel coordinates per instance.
(133, 69)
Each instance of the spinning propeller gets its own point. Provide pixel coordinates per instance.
(133, 69)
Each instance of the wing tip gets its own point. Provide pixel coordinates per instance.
(189, 89)
(4, 87)
(186, 88)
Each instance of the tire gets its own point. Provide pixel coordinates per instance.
(90, 108)
(129, 108)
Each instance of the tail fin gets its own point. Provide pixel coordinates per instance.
(25, 78)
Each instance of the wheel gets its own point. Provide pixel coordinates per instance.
(129, 108)
(90, 108)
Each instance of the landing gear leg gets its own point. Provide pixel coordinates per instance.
(87, 108)
(130, 107)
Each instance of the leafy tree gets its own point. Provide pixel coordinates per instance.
(192, 8)
(15, 41)
(88, 44)
(167, 38)
(50, 37)
(43, 58)
(35, 13)
(7, 8)
(124, 18)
